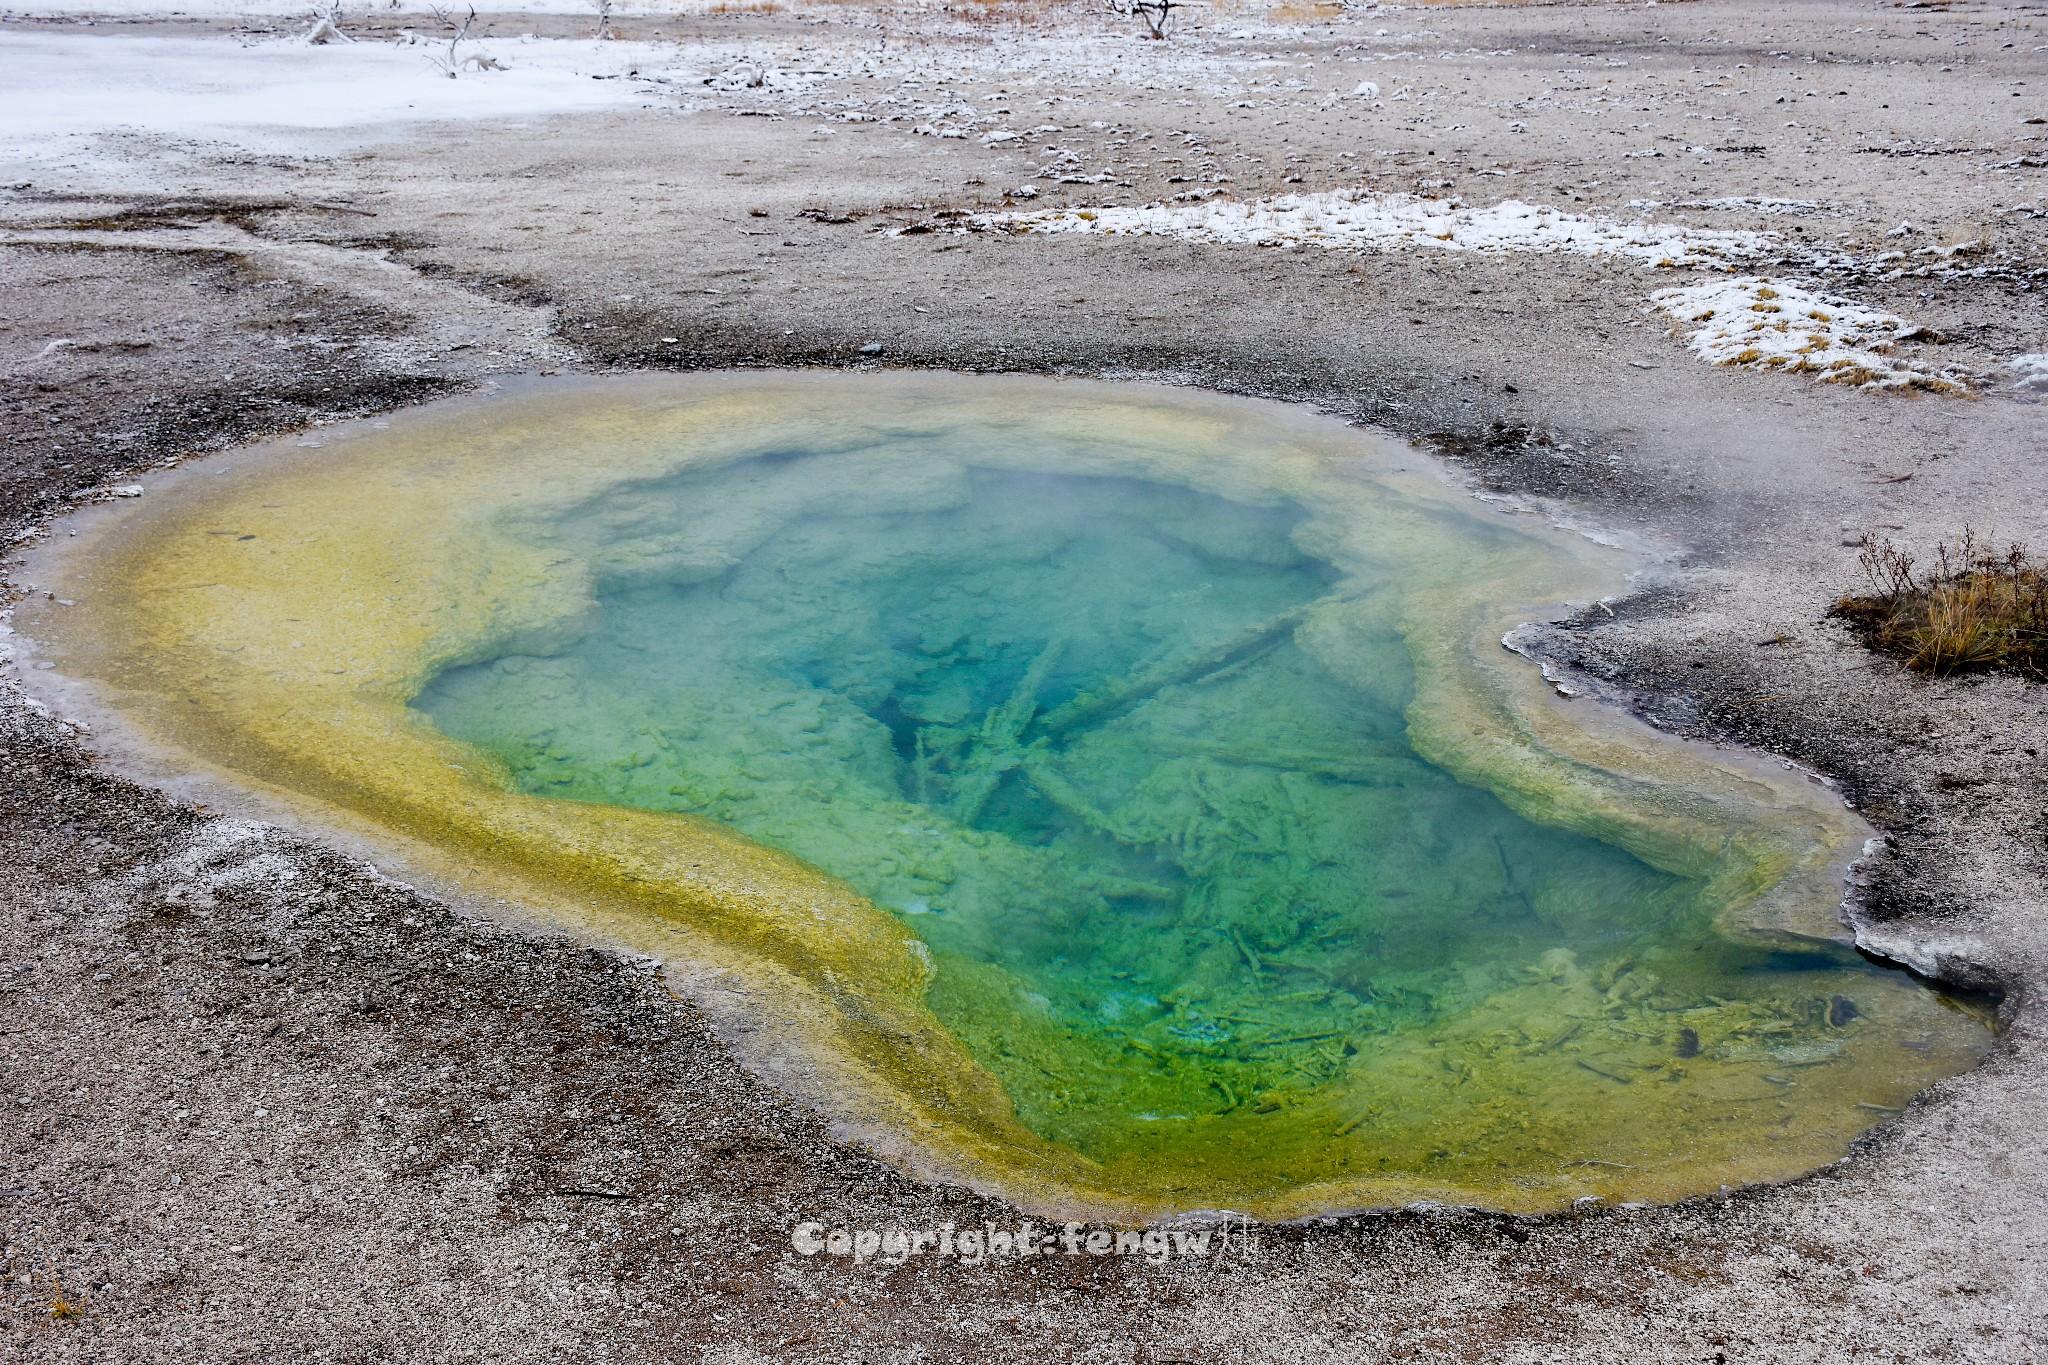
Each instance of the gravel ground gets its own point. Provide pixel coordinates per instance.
(267, 1104)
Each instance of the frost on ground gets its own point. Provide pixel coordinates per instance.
(1750, 203)
(1358, 220)
(1772, 324)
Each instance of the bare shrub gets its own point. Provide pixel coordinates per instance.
(1973, 607)
(450, 62)
(1154, 14)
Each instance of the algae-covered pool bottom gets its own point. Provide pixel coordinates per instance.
(1182, 842)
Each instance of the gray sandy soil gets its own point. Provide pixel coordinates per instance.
(263, 1103)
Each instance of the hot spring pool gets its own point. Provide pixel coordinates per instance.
(1113, 796)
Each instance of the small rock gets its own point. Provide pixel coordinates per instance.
(872, 348)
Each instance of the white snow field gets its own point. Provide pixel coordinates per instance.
(63, 89)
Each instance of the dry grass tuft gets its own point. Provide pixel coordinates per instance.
(61, 1306)
(1974, 608)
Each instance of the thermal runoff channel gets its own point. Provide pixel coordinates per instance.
(1159, 747)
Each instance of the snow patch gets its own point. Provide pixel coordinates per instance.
(1771, 324)
(2031, 373)
(1358, 220)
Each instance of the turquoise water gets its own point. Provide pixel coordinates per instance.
(1062, 726)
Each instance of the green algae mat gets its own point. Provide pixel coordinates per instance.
(1112, 796)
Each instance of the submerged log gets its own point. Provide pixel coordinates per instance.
(1120, 695)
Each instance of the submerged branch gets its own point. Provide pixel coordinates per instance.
(998, 747)
(1116, 697)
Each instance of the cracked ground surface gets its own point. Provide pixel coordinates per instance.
(264, 1103)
